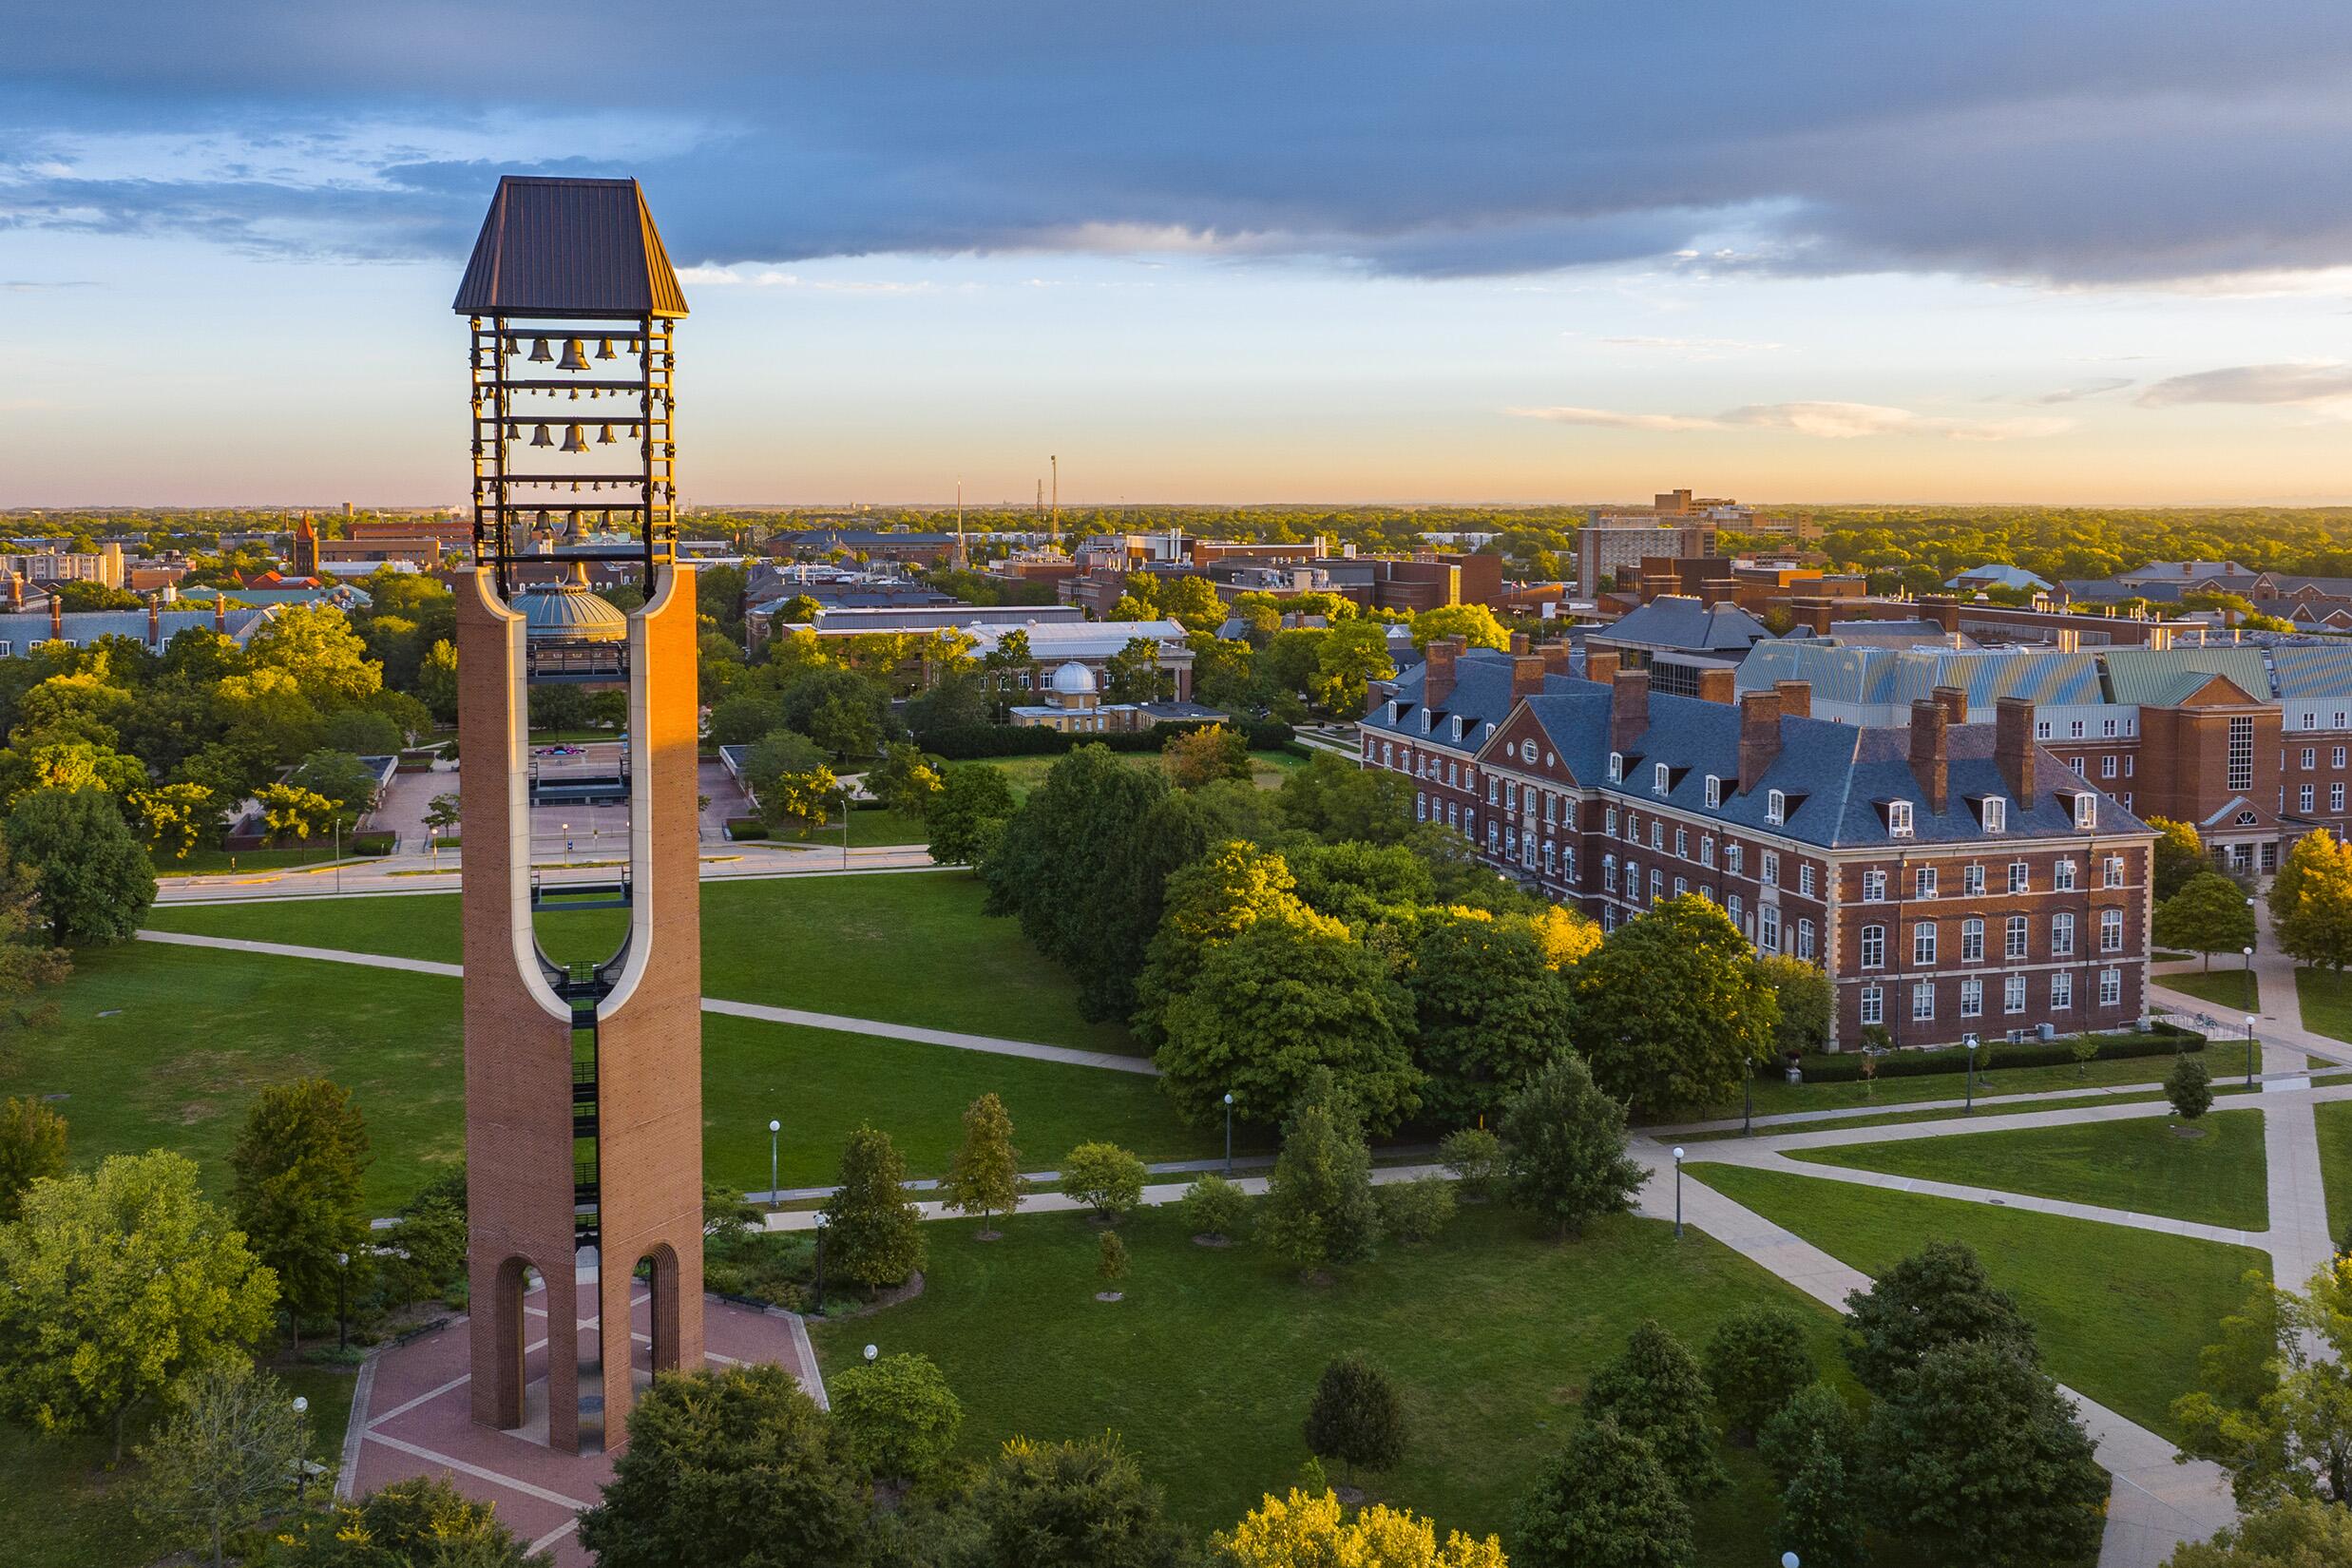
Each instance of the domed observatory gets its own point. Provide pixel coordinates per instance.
(583, 1110)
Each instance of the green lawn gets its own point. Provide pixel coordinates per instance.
(193, 1035)
(2326, 999)
(202, 862)
(2121, 1313)
(2225, 989)
(1776, 1097)
(2142, 1165)
(1267, 769)
(2335, 1119)
(1206, 1368)
(907, 948)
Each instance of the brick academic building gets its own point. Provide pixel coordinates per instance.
(1951, 878)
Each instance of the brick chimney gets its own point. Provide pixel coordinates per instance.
(16, 591)
(57, 614)
(2013, 746)
(1519, 642)
(1526, 675)
(1931, 752)
(1954, 700)
(1601, 666)
(1440, 685)
(1629, 708)
(1759, 736)
(1555, 657)
(1718, 686)
(155, 624)
(221, 613)
(1796, 698)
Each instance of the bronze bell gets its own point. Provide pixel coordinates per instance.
(575, 355)
(538, 352)
(604, 348)
(541, 438)
(605, 436)
(572, 440)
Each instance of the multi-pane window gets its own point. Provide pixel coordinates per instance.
(2241, 752)
(1971, 880)
(1874, 946)
(1768, 927)
(2310, 757)
(1682, 843)
(2111, 871)
(1898, 818)
(1714, 791)
(2334, 798)
(1609, 874)
(2013, 994)
(1682, 885)
(1732, 906)
(1771, 869)
(1657, 884)
(1972, 999)
(2110, 931)
(2107, 766)
(1609, 821)
(1873, 1005)
(2335, 757)
(1924, 881)
(2062, 876)
(1732, 856)
(1806, 883)
(1493, 789)
(1804, 940)
(2061, 936)
(2110, 988)
(1972, 940)
(1924, 943)
(1776, 805)
(2019, 880)
(1996, 815)
(2305, 797)
(1873, 887)
(2061, 990)
(1661, 778)
(1923, 1001)
(1657, 836)
(2013, 942)
(1706, 852)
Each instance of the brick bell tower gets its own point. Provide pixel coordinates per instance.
(584, 1082)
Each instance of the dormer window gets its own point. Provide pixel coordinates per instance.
(1714, 791)
(1775, 807)
(1392, 709)
(1617, 767)
(1898, 818)
(1996, 815)
(1425, 721)
(1661, 778)
(2086, 810)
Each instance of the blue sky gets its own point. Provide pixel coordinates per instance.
(1215, 252)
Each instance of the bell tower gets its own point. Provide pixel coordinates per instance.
(583, 1100)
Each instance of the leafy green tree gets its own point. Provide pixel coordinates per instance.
(1203, 756)
(2274, 1404)
(1816, 1416)
(2179, 855)
(1491, 1009)
(1477, 1158)
(904, 780)
(2189, 1086)
(1808, 1002)
(1938, 1295)
(1104, 1176)
(1130, 607)
(417, 1524)
(1288, 995)
(1071, 1506)
(294, 1189)
(1111, 1258)
(727, 1470)
(288, 811)
(1361, 884)
(1205, 905)
(1134, 674)
(846, 712)
(1319, 1207)
(437, 682)
(873, 1230)
(1415, 1211)
(1671, 1011)
(1474, 624)
(1337, 801)
(1193, 602)
(95, 884)
(2209, 915)
(226, 1455)
(985, 1177)
(956, 702)
(1215, 1206)
(799, 610)
(2292, 1533)
(340, 780)
(32, 1148)
(1565, 1144)
(362, 732)
(740, 718)
(2311, 901)
(1313, 1530)
(789, 777)
(1604, 1501)
(177, 817)
(1224, 674)
(1656, 1391)
(894, 1418)
(1356, 1417)
(85, 1337)
(443, 813)
(1821, 1514)
(1756, 1363)
(1977, 1457)
(968, 816)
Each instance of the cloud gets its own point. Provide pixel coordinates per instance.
(2314, 383)
(2164, 142)
(1695, 348)
(2099, 387)
(1821, 421)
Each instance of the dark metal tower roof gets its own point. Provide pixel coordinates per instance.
(569, 247)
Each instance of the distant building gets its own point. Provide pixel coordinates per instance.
(1611, 543)
(1073, 703)
(1998, 575)
(1676, 639)
(104, 565)
(1092, 644)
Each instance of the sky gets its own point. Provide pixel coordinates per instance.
(1213, 251)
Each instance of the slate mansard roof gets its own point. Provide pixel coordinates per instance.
(1481, 696)
(580, 248)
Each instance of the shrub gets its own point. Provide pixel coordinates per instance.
(1112, 1260)
(1846, 1066)
(2189, 1087)
(741, 828)
(1215, 1206)
(1104, 1176)
(1476, 1155)
(1417, 1210)
(1816, 1416)
(373, 842)
(1656, 1392)
(1356, 1417)
(1756, 1363)
(894, 1418)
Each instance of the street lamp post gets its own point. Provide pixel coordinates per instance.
(2250, 1021)
(2250, 977)
(567, 846)
(302, 1461)
(1788, 1559)
(774, 1128)
(1228, 1134)
(1748, 1105)
(871, 1351)
(342, 1298)
(820, 1255)
(1970, 1041)
(1678, 1193)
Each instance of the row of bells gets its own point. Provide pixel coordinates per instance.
(575, 352)
(574, 436)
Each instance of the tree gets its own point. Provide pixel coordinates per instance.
(894, 1418)
(1205, 905)
(1286, 996)
(85, 1337)
(1103, 1176)
(229, 1449)
(314, 646)
(1319, 1207)
(1671, 1011)
(1112, 1259)
(1193, 602)
(968, 816)
(1477, 1158)
(1756, 1363)
(1415, 1211)
(904, 780)
(177, 817)
(95, 884)
(1314, 1531)
(437, 682)
(2274, 1401)
(1351, 656)
(846, 712)
(985, 1177)
(363, 731)
(873, 1230)
(1338, 802)
(442, 814)
(32, 1148)
(1491, 1009)
(1604, 1501)
(1808, 1002)
(291, 812)
(1937, 1296)
(27, 967)
(1979, 1458)
(727, 1468)
(2311, 901)
(2292, 1533)
(1367, 885)
(2084, 1048)
(2179, 855)
(1356, 1417)
(418, 1524)
(1656, 1392)
(1821, 1514)
(1816, 1416)
(294, 1189)
(1134, 674)
(1194, 757)
(2209, 915)
(1475, 623)
(740, 718)
(1565, 1144)
(1215, 1206)
(1071, 1506)
(2189, 1086)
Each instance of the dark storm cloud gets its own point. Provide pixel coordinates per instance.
(2102, 141)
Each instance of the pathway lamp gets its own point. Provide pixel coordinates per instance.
(302, 1461)
(2251, 1021)
(821, 1256)
(872, 1352)
(1970, 1041)
(1677, 1192)
(1228, 1134)
(1788, 1559)
(2249, 972)
(774, 1128)
(342, 1297)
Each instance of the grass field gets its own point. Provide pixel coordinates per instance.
(165, 1047)
(2335, 1120)
(1775, 1098)
(1205, 1369)
(2326, 1000)
(2224, 989)
(907, 948)
(1267, 769)
(2121, 1313)
(202, 862)
(2142, 1165)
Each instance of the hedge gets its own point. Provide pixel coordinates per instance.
(1846, 1067)
(964, 742)
(374, 843)
(740, 828)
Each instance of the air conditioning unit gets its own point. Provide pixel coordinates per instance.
(2047, 1031)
